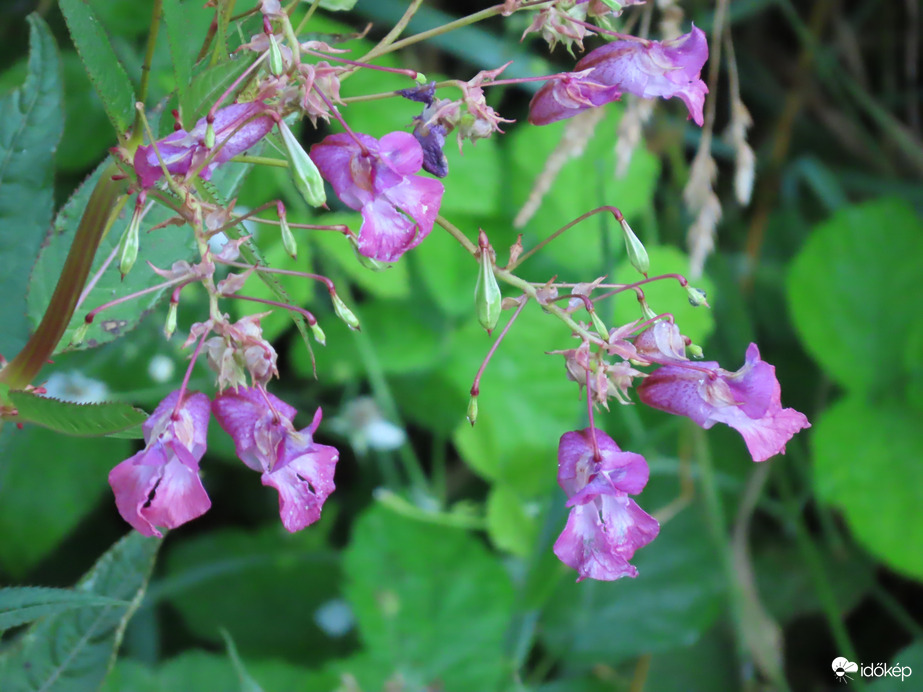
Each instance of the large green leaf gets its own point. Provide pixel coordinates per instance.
(854, 292)
(867, 463)
(73, 651)
(21, 605)
(82, 420)
(186, 26)
(674, 599)
(101, 63)
(31, 120)
(432, 604)
(49, 483)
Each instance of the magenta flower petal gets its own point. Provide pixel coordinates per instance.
(648, 69)
(160, 485)
(749, 400)
(398, 208)
(605, 527)
(292, 463)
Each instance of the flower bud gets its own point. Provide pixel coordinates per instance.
(307, 178)
(80, 334)
(598, 325)
(637, 255)
(288, 240)
(209, 135)
(696, 297)
(487, 298)
(694, 350)
(170, 326)
(276, 64)
(473, 410)
(344, 313)
(128, 245)
(319, 335)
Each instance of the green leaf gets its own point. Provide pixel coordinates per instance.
(186, 25)
(416, 586)
(910, 657)
(23, 604)
(101, 63)
(73, 651)
(82, 420)
(48, 487)
(338, 5)
(854, 292)
(512, 522)
(265, 587)
(866, 463)
(31, 121)
(208, 85)
(674, 599)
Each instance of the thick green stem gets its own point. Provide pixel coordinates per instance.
(96, 220)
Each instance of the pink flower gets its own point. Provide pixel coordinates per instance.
(237, 128)
(748, 400)
(605, 527)
(398, 208)
(291, 462)
(645, 68)
(160, 485)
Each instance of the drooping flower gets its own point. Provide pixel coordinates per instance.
(237, 128)
(645, 68)
(290, 461)
(160, 485)
(748, 400)
(605, 526)
(377, 178)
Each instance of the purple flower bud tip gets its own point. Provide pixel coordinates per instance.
(645, 68)
(425, 93)
(237, 128)
(605, 526)
(398, 208)
(160, 485)
(290, 461)
(748, 400)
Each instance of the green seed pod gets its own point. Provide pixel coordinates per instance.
(637, 255)
(487, 298)
(473, 410)
(288, 240)
(344, 313)
(128, 245)
(307, 178)
(276, 64)
(170, 325)
(319, 335)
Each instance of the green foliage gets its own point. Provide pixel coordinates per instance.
(22, 605)
(82, 420)
(72, 651)
(606, 622)
(31, 120)
(414, 587)
(102, 65)
(49, 484)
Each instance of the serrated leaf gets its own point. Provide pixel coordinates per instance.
(186, 26)
(23, 604)
(81, 420)
(31, 121)
(101, 63)
(73, 651)
(209, 84)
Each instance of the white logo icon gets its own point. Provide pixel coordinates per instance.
(841, 667)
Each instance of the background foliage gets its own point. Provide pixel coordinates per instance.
(432, 566)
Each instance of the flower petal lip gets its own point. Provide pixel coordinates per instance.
(748, 400)
(160, 485)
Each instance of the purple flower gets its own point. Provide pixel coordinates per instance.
(291, 462)
(398, 208)
(160, 485)
(605, 527)
(237, 128)
(748, 400)
(645, 68)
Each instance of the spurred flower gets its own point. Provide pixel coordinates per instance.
(291, 462)
(645, 68)
(160, 485)
(605, 526)
(748, 400)
(237, 128)
(398, 208)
